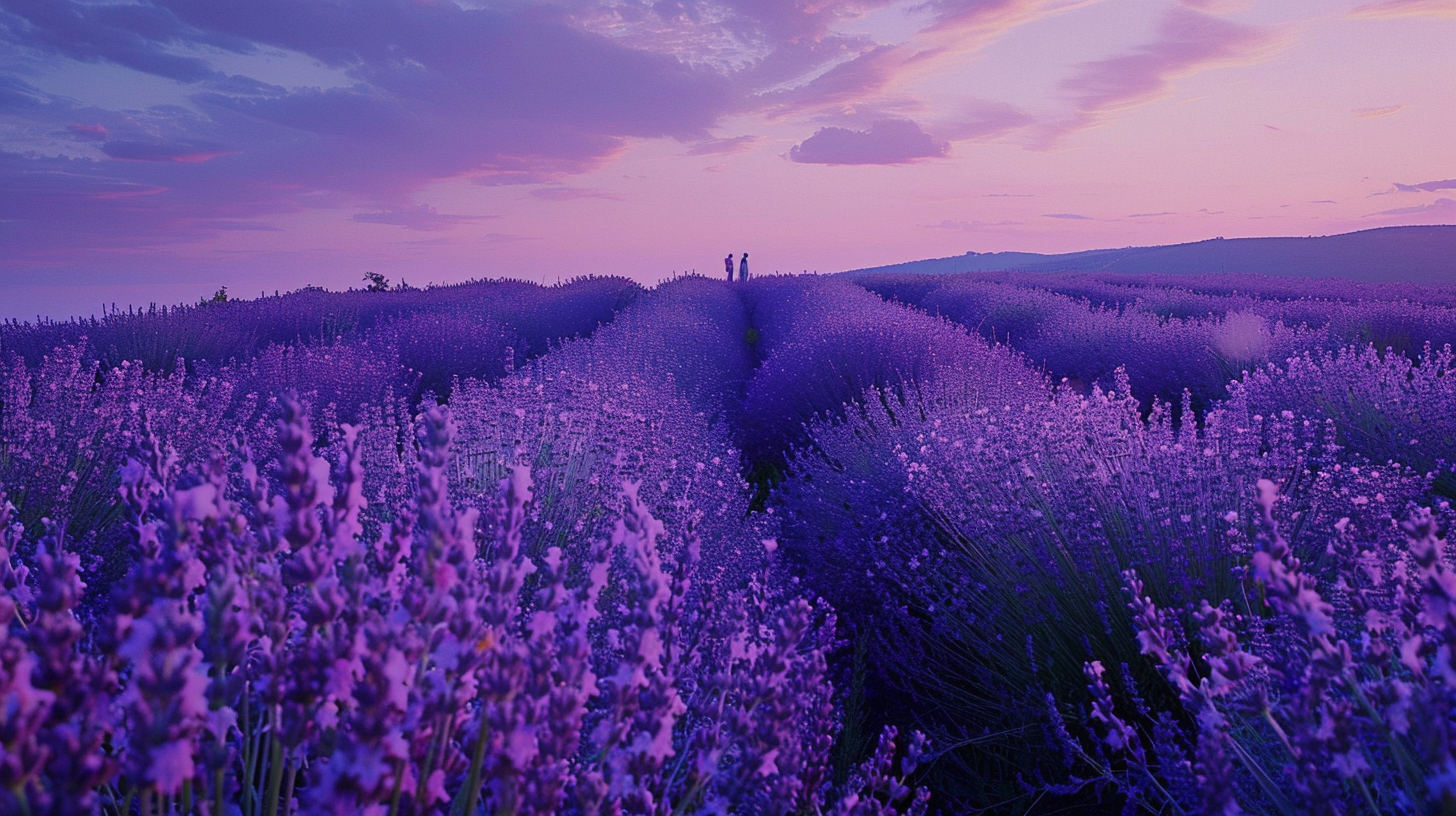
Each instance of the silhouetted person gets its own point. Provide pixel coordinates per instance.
(742, 267)
(728, 265)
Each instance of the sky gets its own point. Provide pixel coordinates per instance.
(156, 150)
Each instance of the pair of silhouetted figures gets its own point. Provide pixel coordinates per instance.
(742, 267)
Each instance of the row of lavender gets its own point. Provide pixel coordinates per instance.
(610, 633)
(1177, 333)
(1080, 596)
(971, 524)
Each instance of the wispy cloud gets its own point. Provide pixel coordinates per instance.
(888, 141)
(1406, 8)
(1069, 216)
(983, 120)
(1187, 41)
(186, 152)
(572, 194)
(1439, 207)
(722, 147)
(1376, 113)
(1427, 186)
(421, 217)
(1151, 215)
(971, 226)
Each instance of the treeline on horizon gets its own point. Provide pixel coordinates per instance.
(993, 541)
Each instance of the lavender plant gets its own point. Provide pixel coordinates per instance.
(1334, 695)
(266, 654)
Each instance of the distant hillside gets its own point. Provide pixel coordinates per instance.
(1389, 254)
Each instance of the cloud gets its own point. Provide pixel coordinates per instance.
(1069, 216)
(888, 141)
(1427, 186)
(1375, 113)
(851, 81)
(419, 217)
(862, 74)
(136, 36)
(984, 121)
(1151, 215)
(509, 94)
(971, 226)
(572, 194)
(722, 147)
(1439, 207)
(1187, 41)
(89, 133)
(190, 152)
(1406, 8)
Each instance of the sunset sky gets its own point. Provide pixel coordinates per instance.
(155, 150)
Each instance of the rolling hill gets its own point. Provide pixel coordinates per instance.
(1421, 254)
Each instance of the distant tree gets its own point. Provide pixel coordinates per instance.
(377, 282)
(220, 296)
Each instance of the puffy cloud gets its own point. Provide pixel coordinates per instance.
(888, 141)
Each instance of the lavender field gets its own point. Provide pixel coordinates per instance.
(998, 542)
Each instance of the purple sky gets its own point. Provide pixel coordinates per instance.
(159, 149)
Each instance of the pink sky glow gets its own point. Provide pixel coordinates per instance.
(154, 150)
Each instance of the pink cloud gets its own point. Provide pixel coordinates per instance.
(1375, 113)
(864, 76)
(94, 133)
(888, 141)
(1406, 8)
(572, 194)
(984, 121)
(1188, 41)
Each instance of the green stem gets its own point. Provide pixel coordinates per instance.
(398, 788)
(275, 775)
(286, 804)
(472, 779)
(250, 755)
